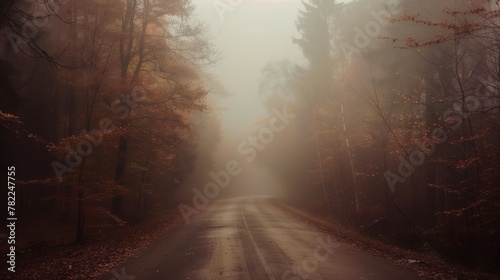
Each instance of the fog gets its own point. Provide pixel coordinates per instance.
(247, 37)
(383, 59)
(364, 110)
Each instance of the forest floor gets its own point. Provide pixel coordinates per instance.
(428, 265)
(100, 253)
(88, 260)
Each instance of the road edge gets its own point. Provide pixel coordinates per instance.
(427, 266)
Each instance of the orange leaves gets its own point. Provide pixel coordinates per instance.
(479, 10)
(452, 213)
(468, 163)
(15, 125)
(9, 117)
(460, 23)
(9, 121)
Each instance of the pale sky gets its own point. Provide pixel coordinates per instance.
(248, 36)
(251, 34)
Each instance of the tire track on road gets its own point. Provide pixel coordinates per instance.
(243, 260)
(257, 250)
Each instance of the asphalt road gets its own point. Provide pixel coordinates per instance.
(250, 238)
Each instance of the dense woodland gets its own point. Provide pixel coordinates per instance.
(105, 106)
(398, 126)
(98, 102)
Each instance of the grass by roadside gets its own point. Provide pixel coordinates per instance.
(427, 265)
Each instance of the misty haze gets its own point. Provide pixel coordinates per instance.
(250, 139)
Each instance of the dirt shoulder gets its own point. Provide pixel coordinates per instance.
(428, 266)
(90, 259)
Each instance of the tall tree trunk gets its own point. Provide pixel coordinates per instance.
(117, 201)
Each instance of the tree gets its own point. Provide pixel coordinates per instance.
(143, 28)
(467, 206)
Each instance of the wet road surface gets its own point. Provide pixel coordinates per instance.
(251, 238)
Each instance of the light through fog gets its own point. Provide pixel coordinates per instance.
(121, 120)
(248, 36)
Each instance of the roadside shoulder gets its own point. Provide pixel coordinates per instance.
(427, 266)
(92, 259)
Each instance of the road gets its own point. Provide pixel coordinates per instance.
(251, 238)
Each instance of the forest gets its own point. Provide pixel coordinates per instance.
(399, 121)
(110, 114)
(101, 108)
